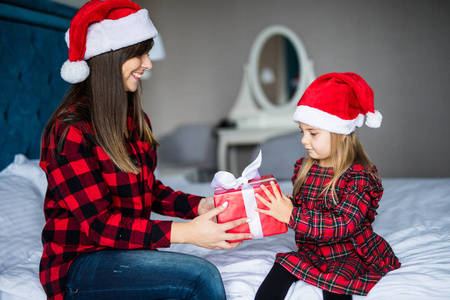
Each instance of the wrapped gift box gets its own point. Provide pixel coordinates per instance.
(238, 208)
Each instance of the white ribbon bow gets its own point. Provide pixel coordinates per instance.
(226, 180)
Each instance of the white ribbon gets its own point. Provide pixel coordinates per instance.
(226, 180)
(248, 194)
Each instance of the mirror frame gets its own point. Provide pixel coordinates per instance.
(253, 60)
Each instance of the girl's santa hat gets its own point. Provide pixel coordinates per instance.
(101, 26)
(338, 102)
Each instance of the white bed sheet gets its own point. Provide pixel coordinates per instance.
(413, 218)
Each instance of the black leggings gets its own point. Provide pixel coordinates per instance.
(277, 284)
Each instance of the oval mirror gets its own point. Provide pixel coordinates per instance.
(277, 68)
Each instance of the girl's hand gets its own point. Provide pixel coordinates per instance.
(205, 205)
(280, 206)
(204, 232)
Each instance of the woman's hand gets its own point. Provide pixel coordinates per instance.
(204, 232)
(280, 206)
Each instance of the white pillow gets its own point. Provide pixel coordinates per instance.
(22, 280)
(21, 220)
(29, 169)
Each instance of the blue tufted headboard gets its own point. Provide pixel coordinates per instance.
(32, 50)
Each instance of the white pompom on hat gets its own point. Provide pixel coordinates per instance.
(101, 26)
(338, 102)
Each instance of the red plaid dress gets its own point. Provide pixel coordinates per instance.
(90, 205)
(338, 251)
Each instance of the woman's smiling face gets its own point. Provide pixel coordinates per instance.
(133, 69)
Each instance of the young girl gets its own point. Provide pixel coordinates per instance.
(336, 194)
(99, 155)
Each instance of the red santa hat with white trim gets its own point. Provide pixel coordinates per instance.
(101, 26)
(338, 102)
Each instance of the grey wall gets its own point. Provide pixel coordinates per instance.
(73, 3)
(400, 47)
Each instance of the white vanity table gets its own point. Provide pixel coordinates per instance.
(275, 77)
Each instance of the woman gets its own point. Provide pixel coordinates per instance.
(99, 155)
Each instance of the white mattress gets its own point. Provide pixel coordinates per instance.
(413, 218)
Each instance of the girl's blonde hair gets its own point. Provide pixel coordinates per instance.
(102, 100)
(345, 150)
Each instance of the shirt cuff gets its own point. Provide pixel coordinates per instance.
(159, 236)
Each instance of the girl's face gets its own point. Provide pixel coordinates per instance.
(133, 69)
(318, 144)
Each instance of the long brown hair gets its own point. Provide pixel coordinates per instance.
(345, 150)
(102, 100)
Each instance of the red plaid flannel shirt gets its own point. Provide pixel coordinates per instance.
(90, 205)
(338, 250)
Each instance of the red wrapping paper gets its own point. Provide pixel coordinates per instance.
(236, 207)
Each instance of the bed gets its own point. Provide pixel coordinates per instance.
(413, 214)
(413, 218)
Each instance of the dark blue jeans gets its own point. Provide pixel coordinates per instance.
(143, 274)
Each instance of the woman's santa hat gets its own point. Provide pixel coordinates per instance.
(101, 26)
(338, 102)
